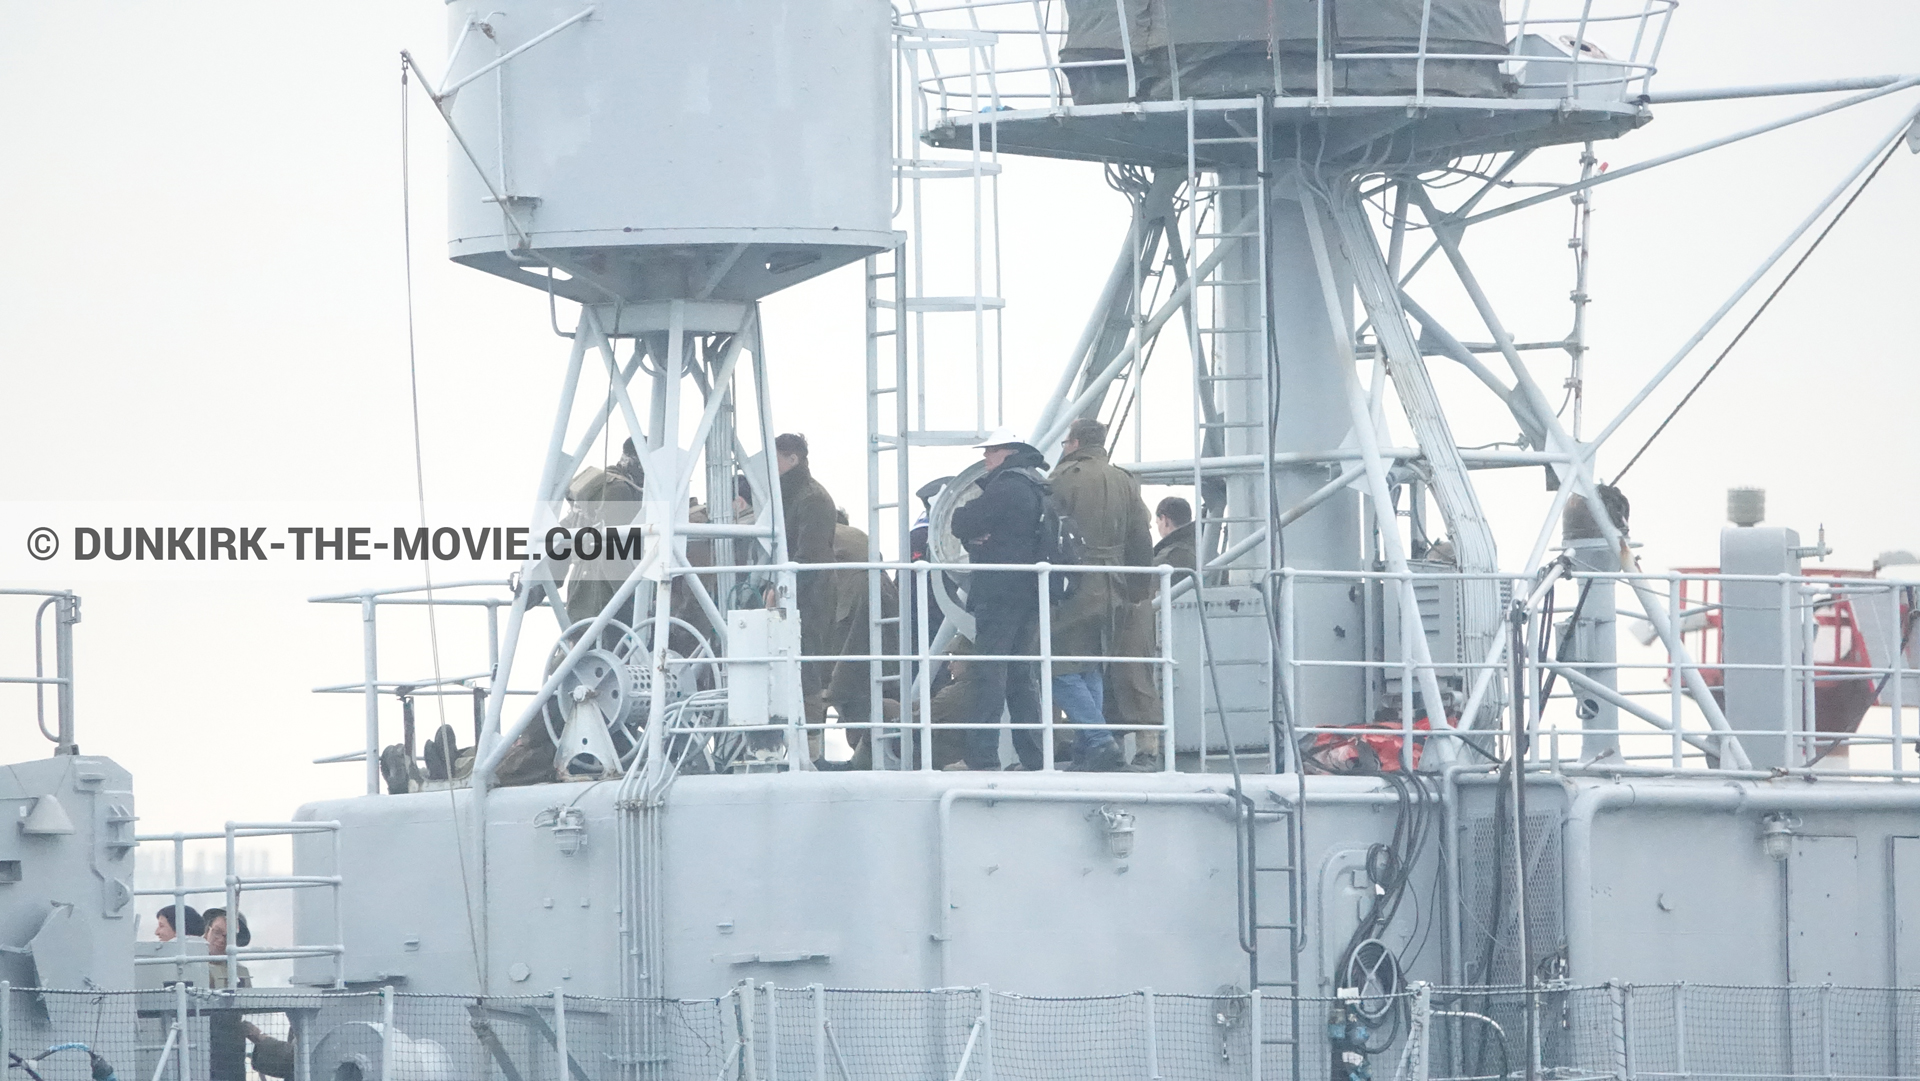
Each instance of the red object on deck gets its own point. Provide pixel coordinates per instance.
(1839, 702)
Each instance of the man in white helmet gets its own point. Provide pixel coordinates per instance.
(1002, 525)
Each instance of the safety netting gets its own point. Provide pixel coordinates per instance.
(760, 1032)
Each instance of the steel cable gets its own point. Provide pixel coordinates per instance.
(1762, 309)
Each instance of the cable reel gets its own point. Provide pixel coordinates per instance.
(950, 587)
(597, 712)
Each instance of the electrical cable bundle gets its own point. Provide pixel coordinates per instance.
(1366, 960)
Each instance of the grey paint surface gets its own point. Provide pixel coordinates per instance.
(72, 900)
(1903, 900)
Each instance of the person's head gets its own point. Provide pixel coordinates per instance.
(626, 448)
(165, 927)
(932, 489)
(1085, 432)
(790, 450)
(742, 494)
(1172, 513)
(216, 922)
(995, 457)
(1004, 443)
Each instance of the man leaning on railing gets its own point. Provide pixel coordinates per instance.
(227, 1028)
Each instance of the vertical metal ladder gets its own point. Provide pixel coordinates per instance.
(897, 282)
(1273, 910)
(1227, 172)
(886, 429)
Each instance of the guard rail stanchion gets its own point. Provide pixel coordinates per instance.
(923, 680)
(1675, 595)
(560, 1035)
(819, 993)
(1043, 582)
(1165, 614)
(773, 1032)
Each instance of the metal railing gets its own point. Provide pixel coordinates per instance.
(1661, 722)
(1417, 1032)
(65, 607)
(455, 595)
(701, 715)
(180, 1042)
(1675, 731)
(1581, 52)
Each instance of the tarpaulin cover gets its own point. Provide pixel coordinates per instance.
(1226, 48)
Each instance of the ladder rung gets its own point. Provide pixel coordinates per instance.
(947, 304)
(1229, 187)
(1224, 236)
(1230, 378)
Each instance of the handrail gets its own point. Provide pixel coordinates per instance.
(704, 716)
(1633, 30)
(230, 889)
(65, 606)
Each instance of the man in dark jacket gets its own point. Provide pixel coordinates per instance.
(809, 520)
(1173, 520)
(1002, 525)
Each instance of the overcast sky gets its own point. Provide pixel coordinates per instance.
(204, 302)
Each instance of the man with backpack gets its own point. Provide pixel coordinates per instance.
(1104, 503)
(1003, 524)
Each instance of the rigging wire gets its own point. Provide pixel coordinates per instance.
(420, 491)
(1762, 309)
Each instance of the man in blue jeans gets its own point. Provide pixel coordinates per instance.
(1002, 525)
(1104, 502)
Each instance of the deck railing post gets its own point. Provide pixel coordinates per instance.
(819, 993)
(1043, 581)
(386, 1034)
(986, 1031)
(1153, 1036)
(1255, 1035)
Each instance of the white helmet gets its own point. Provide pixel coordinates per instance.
(1002, 436)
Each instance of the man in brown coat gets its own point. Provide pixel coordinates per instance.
(1104, 501)
(809, 521)
(849, 691)
(1135, 696)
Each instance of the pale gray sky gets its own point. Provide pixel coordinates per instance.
(204, 302)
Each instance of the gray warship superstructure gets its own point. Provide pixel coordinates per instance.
(1420, 805)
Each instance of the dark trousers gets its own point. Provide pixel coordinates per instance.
(1008, 625)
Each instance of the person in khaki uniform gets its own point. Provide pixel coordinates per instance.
(848, 690)
(808, 510)
(1104, 501)
(601, 497)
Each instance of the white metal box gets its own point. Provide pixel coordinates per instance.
(655, 149)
